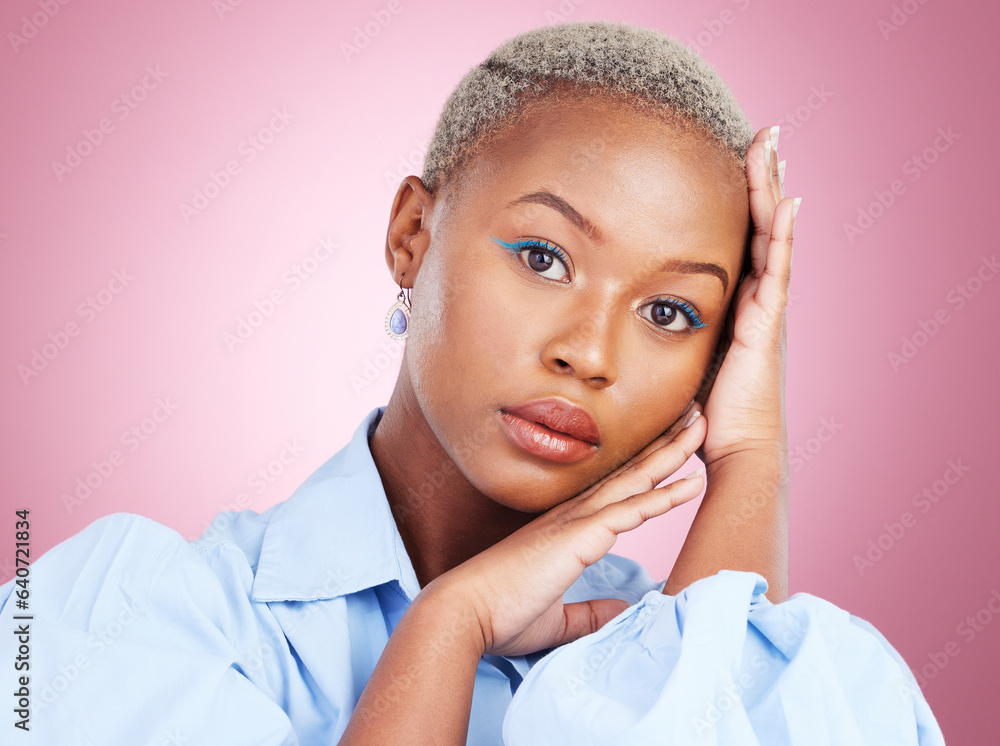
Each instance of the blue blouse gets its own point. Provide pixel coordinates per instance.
(720, 664)
(266, 628)
(262, 631)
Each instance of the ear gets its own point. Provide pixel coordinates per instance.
(408, 236)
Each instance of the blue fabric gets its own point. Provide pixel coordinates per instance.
(720, 664)
(262, 631)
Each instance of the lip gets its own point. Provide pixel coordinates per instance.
(554, 429)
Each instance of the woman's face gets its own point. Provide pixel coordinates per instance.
(646, 228)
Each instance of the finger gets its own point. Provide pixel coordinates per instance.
(772, 289)
(719, 355)
(630, 513)
(685, 418)
(660, 441)
(645, 474)
(774, 165)
(586, 617)
(761, 186)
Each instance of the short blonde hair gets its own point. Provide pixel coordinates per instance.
(639, 66)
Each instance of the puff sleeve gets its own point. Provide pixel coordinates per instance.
(720, 664)
(134, 639)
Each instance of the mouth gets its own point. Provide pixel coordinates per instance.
(553, 429)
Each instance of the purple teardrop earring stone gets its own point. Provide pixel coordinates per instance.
(398, 321)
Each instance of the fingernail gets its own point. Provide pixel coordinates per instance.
(781, 175)
(767, 155)
(795, 206)
(697, 472)
(774, 134)
(691, 418)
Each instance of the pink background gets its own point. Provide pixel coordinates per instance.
(870, 435)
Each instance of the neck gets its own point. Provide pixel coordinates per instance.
(442, 518)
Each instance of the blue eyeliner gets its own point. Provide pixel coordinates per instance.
(530, 243)
(686, 308)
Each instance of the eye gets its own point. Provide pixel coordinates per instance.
(673, 315)
(540, 256)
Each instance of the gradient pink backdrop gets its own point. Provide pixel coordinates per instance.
(860, 89)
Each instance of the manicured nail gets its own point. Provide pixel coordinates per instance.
(795, 206)
(781, 175)
(774, 134)
(691, 418)
(767, 155)
(697, 472)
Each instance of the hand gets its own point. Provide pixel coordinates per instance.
(744, 398)
(516, 586)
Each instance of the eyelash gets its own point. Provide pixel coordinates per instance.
(535, 243)
(684, 307)
(693, 317)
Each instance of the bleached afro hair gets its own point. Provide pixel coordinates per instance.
(640, 67)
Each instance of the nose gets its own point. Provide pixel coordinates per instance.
(584, 346)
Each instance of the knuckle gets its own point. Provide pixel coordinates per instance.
(633, 500)
(595, 622)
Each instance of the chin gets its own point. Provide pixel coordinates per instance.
(528, 490)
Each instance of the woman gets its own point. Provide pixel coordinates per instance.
(598, 252)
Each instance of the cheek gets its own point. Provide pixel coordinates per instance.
(464, 330)
(656, 388)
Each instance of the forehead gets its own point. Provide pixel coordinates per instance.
(630, 173)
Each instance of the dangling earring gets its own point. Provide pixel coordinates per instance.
(398, 317)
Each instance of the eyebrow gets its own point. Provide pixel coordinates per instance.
(559, 204)
(678, 265)
(570, 213)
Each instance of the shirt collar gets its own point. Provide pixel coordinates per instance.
(336, 534)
